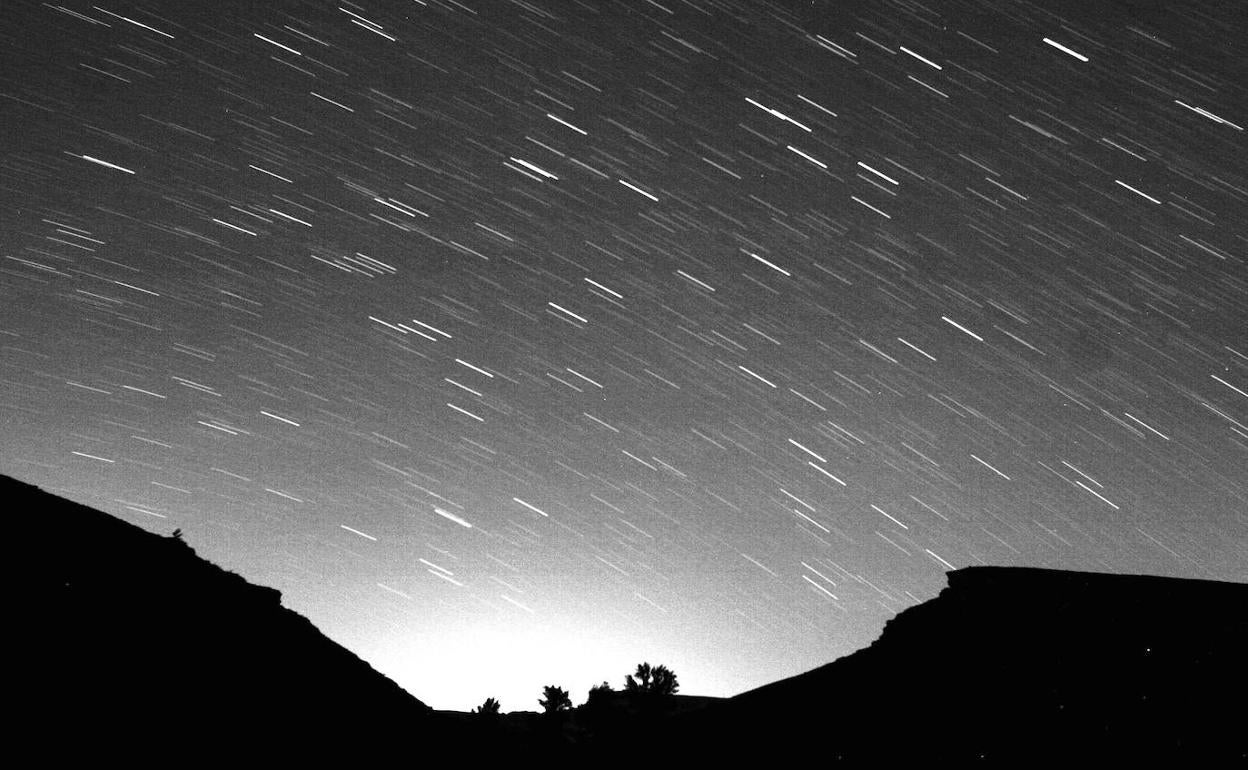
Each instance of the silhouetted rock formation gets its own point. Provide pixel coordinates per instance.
(141, 649)
(1015, 665)
(132, 647)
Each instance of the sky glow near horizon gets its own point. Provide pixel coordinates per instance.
(518, 343)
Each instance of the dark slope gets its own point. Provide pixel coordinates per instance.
(139, 647)
(131, 645)
(1020, 665)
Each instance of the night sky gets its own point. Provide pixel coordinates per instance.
(519, 341)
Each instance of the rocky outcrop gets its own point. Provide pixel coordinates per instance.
(135, 647)
(129, 646)
(1017, 665)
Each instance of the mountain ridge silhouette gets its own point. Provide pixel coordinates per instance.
(134, 646)
(142, 647)
(1021, 665)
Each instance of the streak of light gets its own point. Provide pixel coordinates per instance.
(1137, 192)
(92, 457)
(772, 265)
(819, 587)
(279, 45)
(105, 163)
(884, 214)
(812, 521)
(758, 377)
(814, 160)
(465, 412)
(394, 591)
(637, 189)
(820, 574)
(357, 532)
(1065, 50)
(564, 310)
(512, 601)
(615, 294)
(476, 369)
(816, 106)
(808, 451)
(331, 101)
(135, 23)
(447, 578)
(825, 473)
(756, 563)
(1146, 425)
(884, 513)
(448, 515)
(989, 467)
(881, 175)
(916, 349)
(1097, 494)
(279, 418)
(688, 277)
(438, 567)
(960, 327)
(923, 59)
(563, 122)
(1229, 385)
(937, 558)
(1210, 115)
(531, 507)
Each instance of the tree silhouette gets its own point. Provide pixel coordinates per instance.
(488, 709)
(598, 694)
(642, 682)
(657, 680)
(555, 699)
(595, 713)
(664, 682)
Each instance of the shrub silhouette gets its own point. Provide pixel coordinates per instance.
(488, 709)
(658, 680)
(598, 694)
(555, 699)
(595, 713)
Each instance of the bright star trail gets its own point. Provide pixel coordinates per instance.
(517, 343)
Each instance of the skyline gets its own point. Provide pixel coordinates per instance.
(517, 344)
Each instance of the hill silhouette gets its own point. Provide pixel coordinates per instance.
(131, 645)
(139, 648)
(1017, 666)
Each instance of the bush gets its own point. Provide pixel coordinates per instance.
(598, 693)
(488, 709)
(659, 680)
(555, 699)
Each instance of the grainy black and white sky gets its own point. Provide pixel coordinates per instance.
(519, 341)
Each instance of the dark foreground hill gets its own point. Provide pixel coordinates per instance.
(131, 646)
(1016, 666)
(136, 647)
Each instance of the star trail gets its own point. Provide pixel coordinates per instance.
(519, 341)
